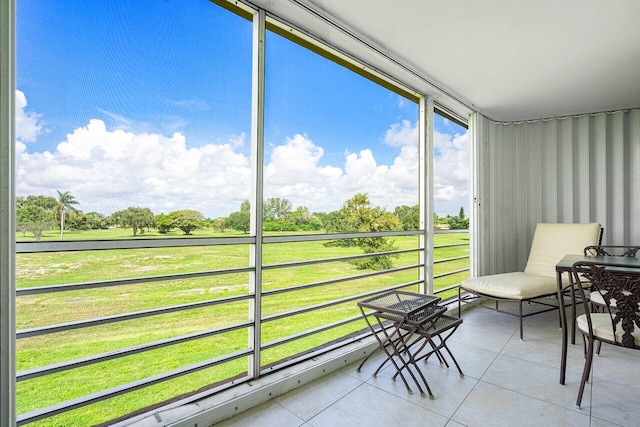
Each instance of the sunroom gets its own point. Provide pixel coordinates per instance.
(279, 122)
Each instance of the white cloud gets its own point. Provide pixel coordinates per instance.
(111, 170)
(451, 180)
(108, 170)
(294, 172)
(401, 134)
(28, 124)
(451, 166)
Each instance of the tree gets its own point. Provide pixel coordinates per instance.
(240, 221)
(35, 214)
(136, 218)
(186, 220)
(303, 219)
(409, 216)
(77, 220)
(357, 214)
(461, 214)
(332, 222)
(164, 224)
(95, 220)
(65, 202)
(35, 219)
(275, 209)
(50, 204)
(455, 223)
(220, 223)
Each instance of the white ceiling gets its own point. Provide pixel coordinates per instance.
(508, 59)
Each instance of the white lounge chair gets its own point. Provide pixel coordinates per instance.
(551, 242)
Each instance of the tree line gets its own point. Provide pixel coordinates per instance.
(36, 214)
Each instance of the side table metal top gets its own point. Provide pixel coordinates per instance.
(400, 303)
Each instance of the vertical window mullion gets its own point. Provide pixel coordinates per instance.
(257, 158)
(7, 226)
(425, 192)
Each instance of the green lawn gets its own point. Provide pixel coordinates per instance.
(42, 269)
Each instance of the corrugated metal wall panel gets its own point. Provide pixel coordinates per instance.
(569, 169)
(634, 176)
(521, 204)
(549, 170)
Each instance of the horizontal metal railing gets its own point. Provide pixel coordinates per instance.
(119, 282)
(340, 280)
(33, 332)
(42, 247)
(344, 258)
(86, 361)
(100, 396)
(103, 245)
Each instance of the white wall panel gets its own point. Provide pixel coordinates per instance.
(633, 156)
(569, 169)
(549, 180)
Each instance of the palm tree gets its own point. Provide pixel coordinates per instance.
(65, 201)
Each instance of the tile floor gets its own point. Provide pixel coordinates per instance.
(507, 382)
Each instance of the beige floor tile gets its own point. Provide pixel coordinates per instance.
(370, 406)
(545, 352)
(368, 368)
(481, 336)
(535, 380)
(491, 320)
(618, 365)
(615, 404)
(474, 361)
(507, 381)
(448, 387)
(266, 415)
(595, 422)
(318, 395)
(490, 405)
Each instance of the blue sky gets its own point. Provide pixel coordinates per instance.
(148, 103)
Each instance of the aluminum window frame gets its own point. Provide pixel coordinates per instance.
(9, 248)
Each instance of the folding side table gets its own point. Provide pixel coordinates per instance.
(410, 314)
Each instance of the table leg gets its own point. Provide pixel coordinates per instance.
(563, 325)
(386, 340)
(373, 331)
(400, 346)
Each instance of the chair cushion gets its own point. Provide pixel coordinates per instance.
(517, 285)
(597, 299)
(602, 327)
(551, 242)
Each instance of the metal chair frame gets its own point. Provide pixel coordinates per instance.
(616, 286)
(604, 250)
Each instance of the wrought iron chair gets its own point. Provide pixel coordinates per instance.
(616, 251)
(612, 250)
(551, 242)
(597, 303)
(618, 323)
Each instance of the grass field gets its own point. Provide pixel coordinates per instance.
(44, 269)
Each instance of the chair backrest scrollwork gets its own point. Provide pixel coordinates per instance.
(613, 250)
(619, 287)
